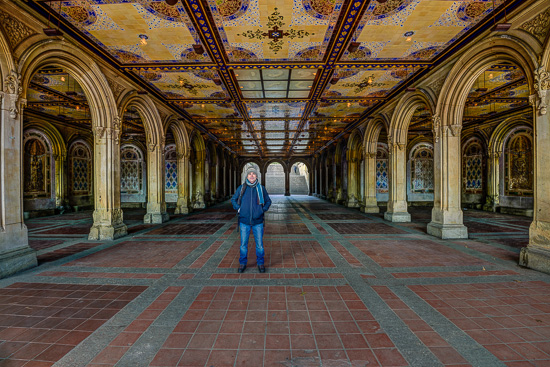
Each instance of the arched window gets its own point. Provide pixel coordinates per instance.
(80, 169)
(519, 164)
(382, 169)
(37, 163)
(422, 168)
(171, 173)
(132, 174)
(472, 167)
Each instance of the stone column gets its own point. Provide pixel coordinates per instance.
(493, 182)
(310, 183)
(182, 206)
(224, 179)
(156, 204)
(108, 224)
(447, 214)
(198, 194)
(352, 201)
(287, 182)
(397, 201)
(537, 254)
(370, 203)
(15, 253)
(60, 179)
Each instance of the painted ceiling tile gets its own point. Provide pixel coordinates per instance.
(366, 82)
(349, 109)
(259, 110)
(211, 110)
(186, 84)
(275, 29)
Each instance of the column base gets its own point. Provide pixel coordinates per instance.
(399, 217)
(156, 218)
(107, 232)
(536, 258)
(447, 231)
(370, 209)
(12, 262)
(182, 209)
(287, 193)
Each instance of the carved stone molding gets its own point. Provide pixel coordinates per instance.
(151, 147)
(370, 155)
(116, 88)
(494, 155)
(455, 130)
(15, 31)
(13, 83)
(542, 84)
(539, 26)
(437, 85)
(99, 132)
(436, 127)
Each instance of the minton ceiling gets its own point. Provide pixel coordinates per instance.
(276, 77)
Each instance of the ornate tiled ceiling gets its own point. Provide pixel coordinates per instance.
(278, 77)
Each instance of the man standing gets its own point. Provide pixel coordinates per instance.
(252, 201)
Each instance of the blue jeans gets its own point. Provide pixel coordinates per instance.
(258, 231)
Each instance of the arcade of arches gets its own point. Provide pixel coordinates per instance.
(90, 126)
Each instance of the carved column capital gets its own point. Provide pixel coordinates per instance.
(151, 147)
(436, 127)
(12, 83)
(542, 85)
(370, 155)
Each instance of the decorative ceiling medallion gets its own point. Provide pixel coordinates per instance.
(232, 9)
(389, 8)
(184, 83)
(241, 54)
(472, 10)
(162, 10)
(127, 56)
(321, 9)
(274, 33)
(80, 12)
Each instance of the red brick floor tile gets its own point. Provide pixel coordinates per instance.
(276, 358)
(110, 355)
(54, 353)
(194, 357)
(389, 357)
(250, 358)
(167, 357)
(222, 358)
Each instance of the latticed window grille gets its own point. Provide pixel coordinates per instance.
(382, 169)
(171, 171)
(131, 170)
(472, 168)
(80, 168)
(519, 164)
(37, 162)
(422, 169)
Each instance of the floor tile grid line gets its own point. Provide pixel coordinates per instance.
(332, 252)
(87, 350)
(367, 262)
(211, 265)
(142, 352)
(460, 248)
(496, 222)
(58, 247)
(196, 253)
(453, 280)
(466, 346)
(32, 274)
(410, 346)
(498, 245)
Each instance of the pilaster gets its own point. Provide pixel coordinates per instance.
(370, 204)
(156, 204)
(493, 189)
(352, 201)
(60, 178)
(182, 206)
(447, 219)
(108, 216)
(537, 254)
(397, 201)
(15, 253)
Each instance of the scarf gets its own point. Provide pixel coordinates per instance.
(259, 190)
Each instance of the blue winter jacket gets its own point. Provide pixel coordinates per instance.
(251, 212)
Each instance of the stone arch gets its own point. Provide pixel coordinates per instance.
(420, 170)
(354, 177)
(59, 152)
(154, 132)
(403, 113)
(79, 176)
(461, 78)
(107, 216)
(183, 151)
(372, 133)
(82, 68)
(273, 185)
(310, 171)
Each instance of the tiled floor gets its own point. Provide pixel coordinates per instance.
(342, 289)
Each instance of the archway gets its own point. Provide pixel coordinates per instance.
(299, 179)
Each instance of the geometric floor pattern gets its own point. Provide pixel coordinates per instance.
(342, 288)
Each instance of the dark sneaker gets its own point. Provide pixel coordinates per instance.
(241, 268)
(261, 268)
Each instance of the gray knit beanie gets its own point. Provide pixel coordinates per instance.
(252, 169)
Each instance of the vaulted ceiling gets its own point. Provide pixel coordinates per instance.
(275, 78)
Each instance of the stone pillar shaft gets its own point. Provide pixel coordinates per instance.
(537, 254)
(182, 206)
(15, 253)
(397, 202)
(352, 201)
(108, 216)
(370, 204)
(447, 214)
(156, 204)
(60, 179)
(493, 184)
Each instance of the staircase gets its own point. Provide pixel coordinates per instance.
(275, 182)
